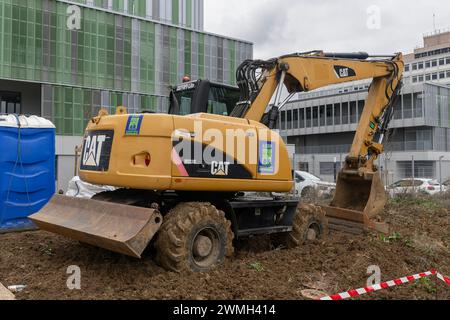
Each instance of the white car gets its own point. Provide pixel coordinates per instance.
(447, 184)
(306, 183)
(408, 186)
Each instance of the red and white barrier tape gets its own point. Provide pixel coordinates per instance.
(385, 285)
(443, 278)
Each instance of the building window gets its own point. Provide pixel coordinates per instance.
(432, 53)
(302, 118)
(428, 64)
(353, 112)
(434, 76)
(447, 61)
(345, 113)
(308, 117)
(441, 62)
(398, 108)
(422, 169)
(289, 119)
(328, 168)
(428, 77)
(283, 120)
(434, 63)
(304, 166)
(322, 116)
(407, 106)
(418, 103)
(295, 119)
(10, 102)
(406, 67)
(414, 79)
(448, 73)
(360, 108)
(329, 115)
(414, 66)
(315, 116)
(337, 114)
(442, 75)
(420, 65)
(420, 79)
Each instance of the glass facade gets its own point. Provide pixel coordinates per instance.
(184, 13)
(114, 58)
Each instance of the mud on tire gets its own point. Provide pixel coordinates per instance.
(309, 224)
(194, 236)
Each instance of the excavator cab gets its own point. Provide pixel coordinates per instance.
(203, 96)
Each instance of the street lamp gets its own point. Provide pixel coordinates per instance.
(440, 172)
(334, 169)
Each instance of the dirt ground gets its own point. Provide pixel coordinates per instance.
(419, 241)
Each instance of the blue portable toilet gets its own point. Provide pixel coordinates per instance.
(27, 169)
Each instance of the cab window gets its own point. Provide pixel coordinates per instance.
(222, 100)
(185, 100)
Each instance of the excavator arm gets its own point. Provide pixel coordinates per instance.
(310, 71)
(360, 195)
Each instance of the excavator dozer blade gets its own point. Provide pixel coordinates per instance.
(116, 227)
(357, 201)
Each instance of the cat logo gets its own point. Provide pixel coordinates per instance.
(93, 150)
(344, 72)
(219, 168)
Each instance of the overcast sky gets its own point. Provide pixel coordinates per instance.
(279, 27)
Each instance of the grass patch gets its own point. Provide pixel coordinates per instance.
(396, 236)
(426, 283)
(46, 250)
(426, 202)
(256, 266)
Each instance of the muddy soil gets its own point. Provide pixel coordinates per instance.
(419, 241)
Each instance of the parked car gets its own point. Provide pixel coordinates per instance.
(447, 184)
(306, 184)
(408, 186)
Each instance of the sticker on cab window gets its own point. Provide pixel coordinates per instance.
(134, 125)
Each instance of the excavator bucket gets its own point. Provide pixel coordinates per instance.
(357, 201)
(116, 227)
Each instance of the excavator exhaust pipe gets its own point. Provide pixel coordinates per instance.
(119, 228)
(357, 201)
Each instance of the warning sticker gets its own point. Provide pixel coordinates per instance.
(134, 125)
(266, 157)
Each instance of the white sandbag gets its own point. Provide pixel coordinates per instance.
(81, 189)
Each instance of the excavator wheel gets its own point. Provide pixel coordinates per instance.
(310, 224)
(195, 236)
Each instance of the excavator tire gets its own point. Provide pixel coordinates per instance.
(195, 236)
(310, 224)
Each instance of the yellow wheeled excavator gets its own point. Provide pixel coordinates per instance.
(194, 183)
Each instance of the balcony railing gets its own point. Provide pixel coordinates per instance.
(330, 149)
(389, 147)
